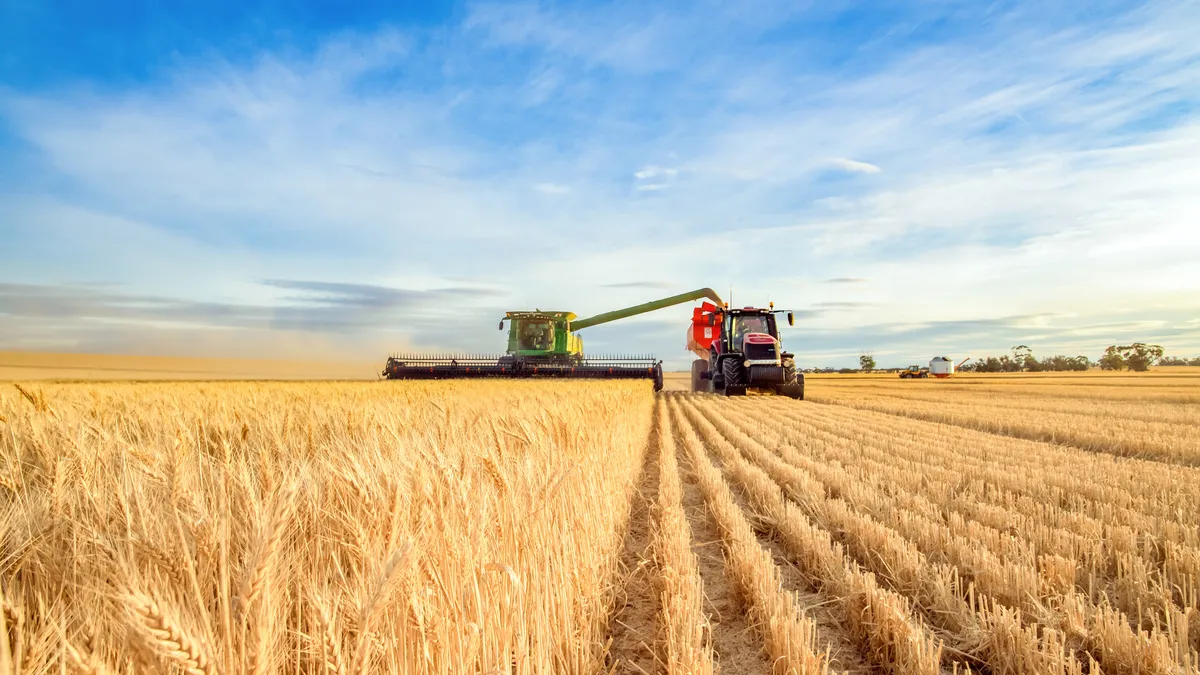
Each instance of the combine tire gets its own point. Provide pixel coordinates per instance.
(735, 384)
(699, 382)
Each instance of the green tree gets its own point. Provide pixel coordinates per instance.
(1023, 357)
(1141, 356)
(866, 362)
(1113, 359)
(1138, 356)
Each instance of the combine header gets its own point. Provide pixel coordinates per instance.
(544, 344)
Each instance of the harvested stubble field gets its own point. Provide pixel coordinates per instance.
(583, 527)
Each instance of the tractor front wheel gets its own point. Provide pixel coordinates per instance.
(793, 384)
(731, 369)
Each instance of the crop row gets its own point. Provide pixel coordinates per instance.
(1041, 598)
(1021, 403)
(1136, 579)
(1176, 442)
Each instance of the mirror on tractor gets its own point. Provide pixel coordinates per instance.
(501, 324)
(791, 319)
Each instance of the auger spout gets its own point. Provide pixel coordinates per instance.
(647, 307)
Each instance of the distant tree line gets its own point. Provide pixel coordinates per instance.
(1138, 356)
(1178, 361)
(1023, 360)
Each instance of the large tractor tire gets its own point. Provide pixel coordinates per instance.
(700, 384)
(733, 377)
(793, 384)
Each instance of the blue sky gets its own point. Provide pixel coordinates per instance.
(339, 180)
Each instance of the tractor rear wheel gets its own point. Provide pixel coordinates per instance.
(700, 383)
(735, 384)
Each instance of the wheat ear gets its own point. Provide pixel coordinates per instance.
(166, 637)
(9, 620)
(331, 647)
(85, 663)
(264, 560)
(370, 610)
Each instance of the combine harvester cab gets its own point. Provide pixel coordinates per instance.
(543, 344)
(739, 350)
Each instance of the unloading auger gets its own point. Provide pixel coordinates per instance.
(544, 344)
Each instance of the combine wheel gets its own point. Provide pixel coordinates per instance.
(700, 383)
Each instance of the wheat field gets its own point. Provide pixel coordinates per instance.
(992, 525)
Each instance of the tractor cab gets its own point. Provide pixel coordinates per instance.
(751, 332)
(746, 322)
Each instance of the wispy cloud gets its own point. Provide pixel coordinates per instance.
(853, 166)
(650, 285)
(844, 305)
(316, 306)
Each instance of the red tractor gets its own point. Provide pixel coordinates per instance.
(739, 350)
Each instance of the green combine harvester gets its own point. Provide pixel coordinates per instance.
(544, 344)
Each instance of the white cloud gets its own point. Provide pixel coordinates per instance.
(654, 172)
(551, 189)
(651, 187)
(853, 166)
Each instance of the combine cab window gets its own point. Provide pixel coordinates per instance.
(536, 336)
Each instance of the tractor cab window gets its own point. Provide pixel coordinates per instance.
(744, 325)
(536, 335)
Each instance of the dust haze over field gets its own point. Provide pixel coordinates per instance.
(25, 366)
